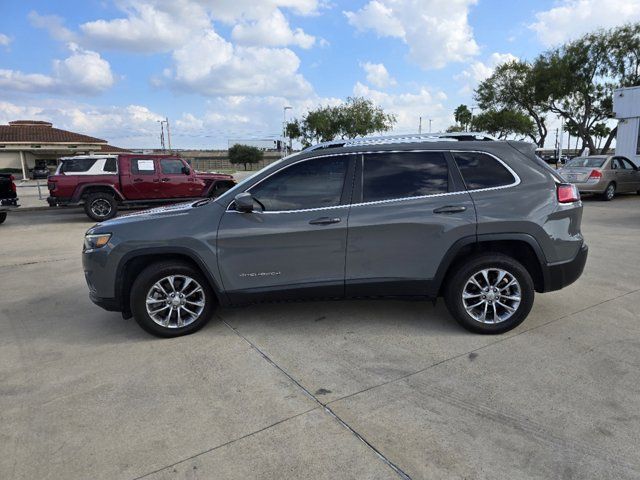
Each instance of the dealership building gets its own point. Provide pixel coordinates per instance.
(626, 108)
(25, 144)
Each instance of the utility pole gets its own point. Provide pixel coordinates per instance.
(161, 122)
(420, 126)
(560, 141)
(166, 119)
(430, 120)
(284, 130)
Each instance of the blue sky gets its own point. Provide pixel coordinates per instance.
(223, 69)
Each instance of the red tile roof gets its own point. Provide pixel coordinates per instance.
(113, 149)
(31, 131)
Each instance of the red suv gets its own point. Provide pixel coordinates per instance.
(102, 183)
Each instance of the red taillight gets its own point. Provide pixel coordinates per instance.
(568, 193)
(13, 184)
(595, 175)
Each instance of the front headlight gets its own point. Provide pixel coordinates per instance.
(93, 242)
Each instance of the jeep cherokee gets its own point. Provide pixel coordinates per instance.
(485, 224)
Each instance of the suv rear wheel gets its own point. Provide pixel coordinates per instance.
(490, 293)
(100, 206)
(170, 299)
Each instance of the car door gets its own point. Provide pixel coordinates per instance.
(409, 208)
(294, 242)
(632, 175)
(174, 183)
(144, 180)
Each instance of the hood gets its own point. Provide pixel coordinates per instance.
(157, 213)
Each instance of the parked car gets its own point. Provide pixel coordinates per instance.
(104, 183)
(8, 195)
(483, 223)
(605, 175)
(40, 172)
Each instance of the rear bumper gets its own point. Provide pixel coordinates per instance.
(598, 187)
(560, 275)
(8, 204)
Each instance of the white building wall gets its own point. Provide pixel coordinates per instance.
(626, 107)
(10, 160)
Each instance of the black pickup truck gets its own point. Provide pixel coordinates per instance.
(8, 195)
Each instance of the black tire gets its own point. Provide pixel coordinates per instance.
(609, 193)
(100, 206)
(143, 286)
(3, 216)
(457, 281)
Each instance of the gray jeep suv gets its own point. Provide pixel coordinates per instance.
(484, 224)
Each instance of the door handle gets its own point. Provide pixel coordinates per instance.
(451, 209)
(166, 179)
(155, 180)
(324, 221)
(137, 180)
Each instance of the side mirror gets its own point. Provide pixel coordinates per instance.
(244, 202)
(186, 170)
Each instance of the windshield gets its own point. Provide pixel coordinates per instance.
(589, 162)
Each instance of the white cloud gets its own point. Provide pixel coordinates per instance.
(52, 24)
(272, 30)
(148, 27)
(478, 71)
(377, 75)
(210, 65)
(572, 18)
(83, 71)
(409, 107)
(436, 31)
(124, 126)
(4, 40)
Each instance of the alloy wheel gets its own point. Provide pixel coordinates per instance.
(101, 207)
(175, 301)
(491, 295)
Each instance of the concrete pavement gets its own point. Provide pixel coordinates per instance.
(354, 389)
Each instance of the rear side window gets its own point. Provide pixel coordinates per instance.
(389, 176)
(110, 165)
(171, 166)
(480, 170)
(143, 166)
(75, 165)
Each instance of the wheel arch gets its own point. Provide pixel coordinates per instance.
(134, 262)
(86, 189)
(522, 247)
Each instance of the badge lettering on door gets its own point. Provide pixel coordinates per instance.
(260, 274)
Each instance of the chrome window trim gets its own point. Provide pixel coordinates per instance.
(516, 182)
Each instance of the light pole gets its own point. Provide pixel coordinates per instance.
(420, 126)
(430, 120)
(284, 129)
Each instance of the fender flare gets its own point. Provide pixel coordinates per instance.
(453, 251)
(80, 189)
(162, 251)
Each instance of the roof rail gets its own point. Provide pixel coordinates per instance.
(406, 138)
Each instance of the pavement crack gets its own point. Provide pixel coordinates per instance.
(230, 442)
(37, 262)
(402, 474)
(474, 351)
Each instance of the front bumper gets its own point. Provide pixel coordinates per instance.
(109, 304)
(560, 275)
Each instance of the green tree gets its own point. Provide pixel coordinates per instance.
(356, 117)
(600, 131)
(505, 122)
(244, 154)
(455, 129)
(512, 87)
(463, 116)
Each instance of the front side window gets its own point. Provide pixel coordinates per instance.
(389, 176)
(627, 163)
(480, 170)
(171, 166)
(140, 166)
(313, 183)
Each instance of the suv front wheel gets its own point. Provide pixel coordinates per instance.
(170, 299)
(490, 293)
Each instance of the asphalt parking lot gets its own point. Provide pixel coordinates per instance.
(356, 389)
